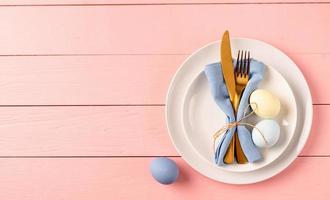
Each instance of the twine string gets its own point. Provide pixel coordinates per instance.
(231, 125)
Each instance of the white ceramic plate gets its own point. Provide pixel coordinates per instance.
(202, 118)
(189, 88)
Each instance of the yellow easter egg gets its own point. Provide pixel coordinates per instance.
(264, 103)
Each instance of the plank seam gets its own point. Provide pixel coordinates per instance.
(131, 54)
(87, 105)
(89, 156)
(170, 156)
(113, 105)
(161, 4)
(96, 54)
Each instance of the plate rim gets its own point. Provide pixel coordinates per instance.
(301, 139)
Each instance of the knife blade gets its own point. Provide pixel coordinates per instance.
(227, 66)
(229, 77)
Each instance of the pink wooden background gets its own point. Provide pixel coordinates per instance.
(83, 84)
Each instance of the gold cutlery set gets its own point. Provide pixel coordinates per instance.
(236, 81)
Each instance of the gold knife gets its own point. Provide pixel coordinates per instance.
(227, 66)
(228, 74)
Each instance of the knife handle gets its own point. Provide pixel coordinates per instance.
(230, 154)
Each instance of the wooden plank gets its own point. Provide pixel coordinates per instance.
(317, 143)
(129, 178)
(86, 79)
(108, 131)
(171, 29)
(83, 131)
(128, 2)
(71, 80)
(312, 66)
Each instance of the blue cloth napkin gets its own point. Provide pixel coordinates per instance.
(220, 94)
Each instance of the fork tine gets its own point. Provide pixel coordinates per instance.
(237, 62)
(241, 64)
(245, 65)
(248, 64)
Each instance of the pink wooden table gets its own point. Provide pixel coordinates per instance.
(83, 84)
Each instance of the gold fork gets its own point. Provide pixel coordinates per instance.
(242, 71)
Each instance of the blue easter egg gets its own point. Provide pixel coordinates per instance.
(164, 170)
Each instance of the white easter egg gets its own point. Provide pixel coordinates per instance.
(268, 130)
(265, 104)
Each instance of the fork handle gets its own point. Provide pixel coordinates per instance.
(239, 154)
(235, 149)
